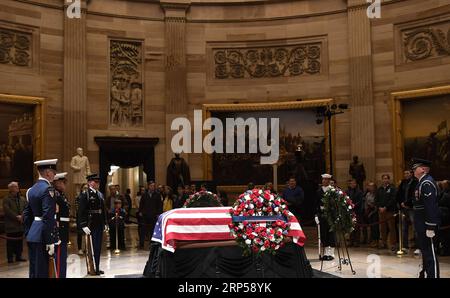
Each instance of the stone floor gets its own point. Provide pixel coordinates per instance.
(367, 262)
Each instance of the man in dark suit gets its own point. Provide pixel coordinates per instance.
(150, 207)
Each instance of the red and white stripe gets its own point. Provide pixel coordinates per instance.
(207, 224)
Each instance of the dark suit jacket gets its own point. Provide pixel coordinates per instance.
(150, 205)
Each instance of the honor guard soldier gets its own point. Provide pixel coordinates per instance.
(62, 223)
(327, 237)
(39, 219)
(93, 216)
(426, 216)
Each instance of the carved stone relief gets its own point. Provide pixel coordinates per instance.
(126, 92)
(426, 42)
(267, 62)
(15, 47)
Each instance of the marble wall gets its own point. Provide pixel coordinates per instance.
(362, 62)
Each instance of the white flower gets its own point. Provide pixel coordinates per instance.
(340, 192)
(251, 206)
(246, 205)
(244, 237)
(260, 200)
(247, 197)
(260, 191)
(263, 248)
(248, 241)
(277, 247)
(276, 209)
(264, 209)
(255, 234)
(349, 207)
(283, 206)
(241, 225)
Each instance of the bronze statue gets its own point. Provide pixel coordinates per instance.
(357, 171)
(178, 172)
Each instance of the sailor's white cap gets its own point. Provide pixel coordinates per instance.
(326, 176)
(60, 176)
(46, 164)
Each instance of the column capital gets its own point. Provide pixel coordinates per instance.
(175, 8)
(355, 4)
(83, 4)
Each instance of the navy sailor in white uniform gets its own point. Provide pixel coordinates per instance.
(39, 219)
(426, 217)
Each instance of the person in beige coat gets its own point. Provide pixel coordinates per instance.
(81, 169)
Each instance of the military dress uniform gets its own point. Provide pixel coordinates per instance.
(426, 218)
(327, 237)
(62, 223)
(93, 215)
(39, 222)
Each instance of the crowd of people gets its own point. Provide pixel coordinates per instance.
(376, 207)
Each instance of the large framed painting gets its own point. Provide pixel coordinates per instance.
(303, 143)
(20, 139)
(421, 129)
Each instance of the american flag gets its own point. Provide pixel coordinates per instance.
(204, 224)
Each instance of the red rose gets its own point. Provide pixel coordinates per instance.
(266, 244)
(245, 222)
(255, 248)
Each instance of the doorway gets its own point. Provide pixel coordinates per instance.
(130, 156)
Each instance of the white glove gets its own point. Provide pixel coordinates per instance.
(86, 231)
(316, 218)
(50, 249)
(430, 233)
(106, 228)
(58, 243)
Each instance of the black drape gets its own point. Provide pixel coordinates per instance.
(126, 153)
(227, 262)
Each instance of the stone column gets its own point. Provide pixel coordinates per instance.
(75, 133)
(361, 85)
(175, 65)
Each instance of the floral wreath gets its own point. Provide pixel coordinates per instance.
(339, 210)
(264, 235)
(202, 198)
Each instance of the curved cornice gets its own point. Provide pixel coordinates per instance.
(186, 4)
